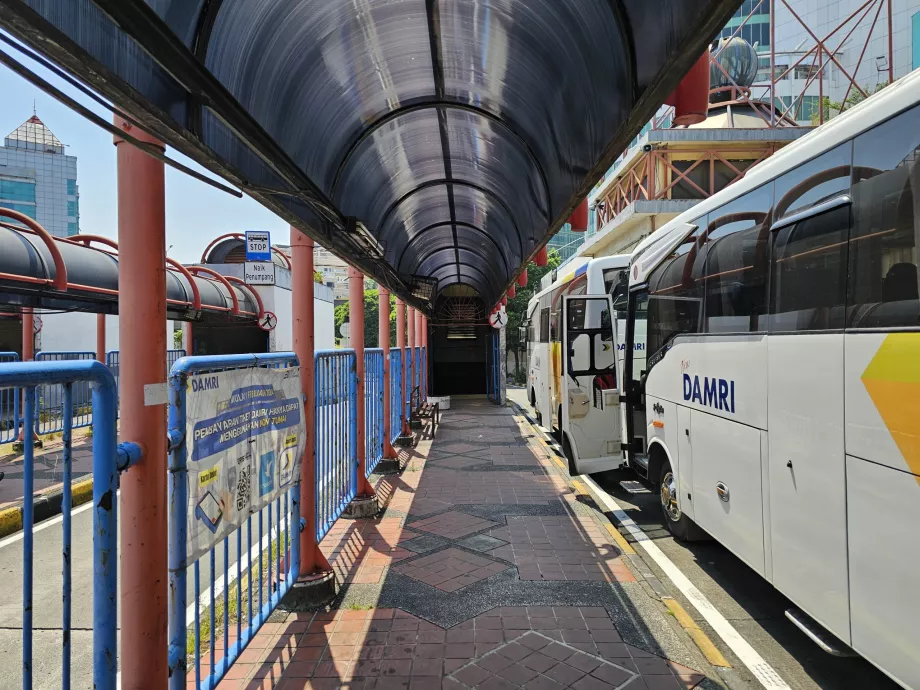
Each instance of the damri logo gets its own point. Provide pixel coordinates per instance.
(715, 393)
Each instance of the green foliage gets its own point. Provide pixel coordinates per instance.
(371, 319)
(317, 277)
(834, 108)
(177, 339)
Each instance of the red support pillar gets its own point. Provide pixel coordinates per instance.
(142, 302)
(100, 338)
(401, 344)
(383, 330)
(312, 560)
(356, 333)
(28, 334)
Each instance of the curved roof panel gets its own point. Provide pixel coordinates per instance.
(491, 118)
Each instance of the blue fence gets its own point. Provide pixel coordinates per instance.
(493, 383)
(335, 435)
(409, 377)
(272, 582)
(396, 394)
(374, 423)
(9, 405)
(51, 397)
(113, 361)
(423, 374)
(69, 377)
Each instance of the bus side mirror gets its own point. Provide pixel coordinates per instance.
(522, 334)
(620, 303)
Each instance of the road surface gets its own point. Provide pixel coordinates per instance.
(47, 601)
(753, 607)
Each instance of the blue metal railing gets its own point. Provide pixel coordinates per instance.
(410, 376)
(417, 371)
(335, 436)
(396, 394)
(108, 459)
(493, 384)
(9, 405)
(267, 549)
(423, 374)
(113, 361)
(374, 423)
(50, 418)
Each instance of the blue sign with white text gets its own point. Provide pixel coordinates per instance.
(258, 245)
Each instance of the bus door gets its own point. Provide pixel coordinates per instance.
(591, 393)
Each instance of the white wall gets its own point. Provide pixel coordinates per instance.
(76, 331)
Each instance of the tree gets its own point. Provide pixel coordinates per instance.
(834, 108)
(517, 310)
(317, 277)
(371, 319)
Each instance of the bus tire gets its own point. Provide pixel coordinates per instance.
(678, 524)
(569, 456)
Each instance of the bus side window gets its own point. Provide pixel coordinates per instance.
(809, 258)
(883, 290)
(544, 325)
(737, 242)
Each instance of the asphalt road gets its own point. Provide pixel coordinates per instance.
(47, 600)
(749, 602)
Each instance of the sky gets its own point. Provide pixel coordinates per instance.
(196, 213)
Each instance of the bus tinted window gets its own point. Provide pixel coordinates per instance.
(883, 287)
(544, 325)
(820, 179)
(676, 293)
(809, 273)
(737, 245)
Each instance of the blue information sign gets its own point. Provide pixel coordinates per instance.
(258, 245)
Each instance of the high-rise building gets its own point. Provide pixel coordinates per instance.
(38, 179)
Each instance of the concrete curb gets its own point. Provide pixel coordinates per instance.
(46, 506)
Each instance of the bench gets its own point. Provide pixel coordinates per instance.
(424, 410)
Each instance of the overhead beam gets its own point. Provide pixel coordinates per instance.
(459, 224)
(445, 105)
(458, 183)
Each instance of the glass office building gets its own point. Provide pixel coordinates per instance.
(38, 179)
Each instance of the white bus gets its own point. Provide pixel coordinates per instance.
(587, 418)
(779, 406)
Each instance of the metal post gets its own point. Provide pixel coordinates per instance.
(100, 338)
(312, 559)
(142, 379)
(890, 47)
(384, 337)
(356, 332)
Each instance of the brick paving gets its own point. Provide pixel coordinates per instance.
(479, 574)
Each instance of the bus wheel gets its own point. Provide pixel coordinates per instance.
(679, 525)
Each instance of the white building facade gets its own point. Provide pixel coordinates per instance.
(38, 179)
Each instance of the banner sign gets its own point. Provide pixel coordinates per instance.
(245, 438)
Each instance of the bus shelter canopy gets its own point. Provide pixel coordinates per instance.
(460, 133)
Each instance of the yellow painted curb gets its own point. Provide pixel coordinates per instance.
(624, 545)
(81, 492)
(10, 521)
(701, 639)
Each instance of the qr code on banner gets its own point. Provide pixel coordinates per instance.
(243, 489)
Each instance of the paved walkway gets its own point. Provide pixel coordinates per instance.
(487, 571)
